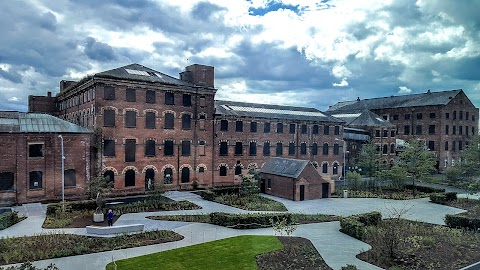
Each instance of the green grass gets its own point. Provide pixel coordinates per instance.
(231, 253)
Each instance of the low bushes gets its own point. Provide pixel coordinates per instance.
(355, 225)
(248, 221)
(462, 222)
(425, 189)
(252, 202)
(8, 219)
(443, 198)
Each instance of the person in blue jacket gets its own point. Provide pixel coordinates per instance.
(110, 215)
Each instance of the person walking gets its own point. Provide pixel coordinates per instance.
(110, 215)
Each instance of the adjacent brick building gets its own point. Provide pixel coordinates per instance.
(31, 154)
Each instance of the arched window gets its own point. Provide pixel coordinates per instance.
(266, 148)
(149, 179)
(223, 170)
(325, 149)
(169, 121)
(109, 176)
(130, 178)
(314, 149)
(324, 168)
(168, 176)
(385, 149)
(335, 168)
(185, 175)
(238, 170)
(392, 148)
(186, 121)
(336, 149)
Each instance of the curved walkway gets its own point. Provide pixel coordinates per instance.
(336, 248)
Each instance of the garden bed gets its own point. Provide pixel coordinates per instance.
(387, 194)
(8, 219)
(251, 202)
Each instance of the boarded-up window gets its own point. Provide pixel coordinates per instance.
(253, 127)
(223, 149)
(185, 148)
(303, 149)
(185, 175)
(291, 149)
(186, 121)
(109, 93)
(150, 120)
(279, 128)
(35, 150)
(130, 149)
(169, 121)
(326, 130)
(201, 148)
(292, 128)
(130, 178)
(187, 100)
(252, 149)
(315, 129)
(336, 149)
(224, 125)
(239, 126)
(169, 99)
(201, 122)
(108, 118)
(130, 119)
(168, 148)
(6, 181)
(238, 148)
(314, 149)
(223, 170)
(266, 127)
(325, 149)
(279, 149)
(266, 149)
(70, 178)
(35, 180)
(130, 95)
(202, 101)
(150, 148)
(150, 97)
(109, 148)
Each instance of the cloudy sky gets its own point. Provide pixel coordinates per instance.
(293, 52)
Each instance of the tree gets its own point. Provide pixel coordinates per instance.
(396, 175)
(368, 159)
(97, 187)
(470, 156)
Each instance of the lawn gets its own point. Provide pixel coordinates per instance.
(231, 253)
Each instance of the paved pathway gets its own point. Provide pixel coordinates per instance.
(336, 248)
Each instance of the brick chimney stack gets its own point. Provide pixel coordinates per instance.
(200, 75)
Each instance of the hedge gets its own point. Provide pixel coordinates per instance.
(425, 189)
(8, 219)
(71, 206)
(462, 222)
(247, 221)
(443, 198)
(355, 225)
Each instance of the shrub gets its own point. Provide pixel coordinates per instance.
(462, 222)
(355, 225)
(450, 196)
(349, 267)
(8, 219)
(207, 195)
(248, 221)
(425, 189)
(439, 198)
(370, 219)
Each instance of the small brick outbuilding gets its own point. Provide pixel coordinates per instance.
(294, 179)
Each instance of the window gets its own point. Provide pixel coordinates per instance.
(109, 176)
(454, 115)
(70, 178)
(326, 130)
(392, 149)
(201, 148)
(377, 133)
(407, 116)
(130, 149)
(460, 115)
(187, 100)
(418, 130)
(324, 168)
(460, 130)
(431, 145)
(150, 120)
(392, 133)
(201, 170)
(266, 127)
(447, 115)
(35, 180)
(454, 130)
(169, 98)
(35, 150)
(266, 149)
(460, 145)
(238, 170)
(130, 95)
(447, 129)
(252, 150)
(335, 168)
(223, 149)
(108, 118)
(406, 130)
(395, 117)
(238, 148)
(385, 117)
(385, 133)
(239, 126)
(224, 125)
(385, 149)
(291, 149)
(6, 181)
(109, 93)
(453, 146)
(325, 149)
(303, 149)
(446, 146)
(130, 178)
(336, 149)
(467, 115)
(168, 176)
(279, 149)
(292, 128)
(269, 183)
(433, 115)
(223, 170)
(473, 117)
(150, 97)
(279, 128)
(419, 116)
(473, 130)
(185, 175)
(315, 129)
(130, 119)
(169, 121)
(185, 148)
(314, 149)
(431, 129)
(203, 102)
(150, 148)
(336, 130)
(109, 148)
(304, 129)
(186, 121)
(168, 148)
(253, 126)
(466, 130)
(201, 122)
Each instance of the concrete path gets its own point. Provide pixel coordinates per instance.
(336, 248)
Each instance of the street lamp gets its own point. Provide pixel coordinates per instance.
(344, 161)
(63, 174)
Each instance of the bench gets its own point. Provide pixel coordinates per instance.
(115, 229)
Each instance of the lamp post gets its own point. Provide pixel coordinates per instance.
(344, 164)
(63, 174)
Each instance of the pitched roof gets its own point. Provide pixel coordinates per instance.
(21, 122)
(138, 72)
(415, 100)
(364, 118)
(284, 166)
(223, 107)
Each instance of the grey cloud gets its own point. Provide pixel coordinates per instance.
(100, 51)
(48, 21)
(11, 75)
(204, 10)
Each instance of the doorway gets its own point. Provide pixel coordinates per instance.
(302, 192)
(325, 190)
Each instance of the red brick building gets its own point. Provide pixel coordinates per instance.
(31, 154)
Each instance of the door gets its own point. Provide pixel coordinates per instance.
(325, 190)
(302, 192)
(262, 186)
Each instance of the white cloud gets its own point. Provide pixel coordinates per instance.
(404, 90)
(341, 84)
(14, 99)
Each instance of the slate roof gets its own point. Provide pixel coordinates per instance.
(364, 118)
(415, 100)
(223, 107)
(141, 73)
(284, 166)
(21, 122)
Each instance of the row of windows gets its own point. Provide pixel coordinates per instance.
(452, 146)
(279, 147)
(35, 180)
(384, 133)
(419, 130)
(150, 120)
(419, 116)
(385, 149)
(151, 97)
(460, 130)
(239, 127)
(82, 98)
(130, 176)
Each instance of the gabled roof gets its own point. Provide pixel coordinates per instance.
(140, 73)
(415, 100)
(21, 122)
(223, 107)
(364, 118)
(284, 166)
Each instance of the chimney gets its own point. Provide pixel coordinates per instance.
(49, 94)
(65, 84)
(358, 98)
(200, 75)
(428, 92)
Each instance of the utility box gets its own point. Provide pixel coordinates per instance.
(345, 193)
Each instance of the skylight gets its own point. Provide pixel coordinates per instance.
(137, 72)
(274, 111)
(346, 115)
